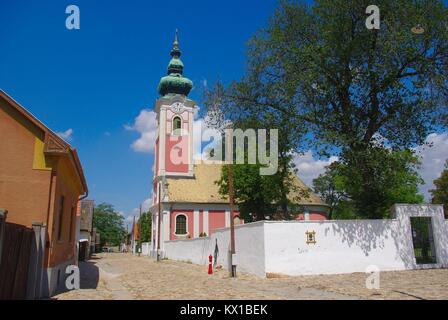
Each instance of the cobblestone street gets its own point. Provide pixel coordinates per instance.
(124, 276)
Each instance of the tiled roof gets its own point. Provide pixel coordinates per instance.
(200, 189)
(203, 189)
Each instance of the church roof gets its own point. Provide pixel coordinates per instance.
(200, 189)
(203, 189)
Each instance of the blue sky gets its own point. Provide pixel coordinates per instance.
(98, 79)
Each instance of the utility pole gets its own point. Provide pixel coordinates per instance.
(230, 184)
(126, 238)
(133, 236)
(139, 231)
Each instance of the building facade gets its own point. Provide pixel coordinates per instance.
(86, 244)
(41, 181)
(185, 195)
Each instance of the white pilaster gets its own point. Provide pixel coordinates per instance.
(162, 141)
(190, 141)
(153, 233)
(196, 223)
(205, 222)
(166, 225)
(156, 242)
(227, 218)
(306, 215)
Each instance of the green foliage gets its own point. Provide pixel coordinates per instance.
(318, 69)
(440, 193)
(396, 181)
(144, 227)
(353, 84)
(330, 187)
(203, 235)
(253, 193)
(109, 223)
(242, 103)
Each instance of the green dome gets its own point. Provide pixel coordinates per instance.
(175, 66)
(174, 82)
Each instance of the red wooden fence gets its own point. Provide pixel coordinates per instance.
(17, 242)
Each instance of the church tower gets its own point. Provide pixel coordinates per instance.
(175, 116)
(187, 203)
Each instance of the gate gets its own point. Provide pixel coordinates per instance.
(3, 213)
(15, 255)
(423, 240)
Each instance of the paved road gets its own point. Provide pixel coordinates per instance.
(123, 276)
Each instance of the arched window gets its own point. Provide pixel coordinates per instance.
(181, 224)
(177, 126)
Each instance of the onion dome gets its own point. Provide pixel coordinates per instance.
(174, 82)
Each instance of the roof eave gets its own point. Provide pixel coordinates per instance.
(49, 133)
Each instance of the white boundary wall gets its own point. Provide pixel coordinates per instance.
(342, 246)
(146, 248)
(250, 248)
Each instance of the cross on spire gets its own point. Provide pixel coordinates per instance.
(175, 52)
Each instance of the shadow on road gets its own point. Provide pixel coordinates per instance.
(89, 274)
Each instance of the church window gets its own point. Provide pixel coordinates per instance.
(177, 125)
(181, 224)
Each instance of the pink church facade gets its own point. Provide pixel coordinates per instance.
(216, 220)
(185, 200)
(186, 203)
(173, 163)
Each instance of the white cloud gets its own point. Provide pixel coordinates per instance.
(197, 141)
(146, 204)
(433, 156)
(130, 219)
(145, 124)
(310, 168)
(66, 135)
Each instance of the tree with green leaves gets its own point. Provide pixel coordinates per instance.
(330, 187)
(236, 105)
(253, 193)
(144, 227)
(397, 181)
(109, 223)
(440, 193)
(360, 92)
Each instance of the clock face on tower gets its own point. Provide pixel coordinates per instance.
(177, 107)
